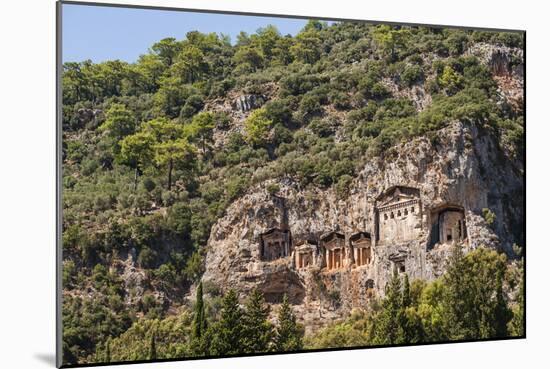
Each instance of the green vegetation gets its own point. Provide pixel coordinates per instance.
(473, 287)
(142, 180)
(288, 336)
(228, 332)
(468, 302)
(488, 215)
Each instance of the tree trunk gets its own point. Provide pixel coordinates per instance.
(170, 167)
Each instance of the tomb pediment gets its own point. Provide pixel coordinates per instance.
(332, 236)
(396, 199)
(305, 245)
(360, 236)
(396, 195)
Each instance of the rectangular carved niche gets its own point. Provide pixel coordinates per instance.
(448, 225)
(275, 244)
(361, 246)
(305, 253)
(334, 246)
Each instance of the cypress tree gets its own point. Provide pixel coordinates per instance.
(403, 333)
(152, 348)
(387, 329)
(227, 334)
(288, 336)
(411, 329)
(199, 328)
(108, 351)
(258, 329)
(406, 298)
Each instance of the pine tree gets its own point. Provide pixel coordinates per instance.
(455, 311)
(152, 348)
(198, 343)
(288, 336)
(258, 329)
(228, 332)
(387, 329)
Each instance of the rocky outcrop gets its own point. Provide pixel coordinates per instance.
(501, 60)
(87, 116)
(462, 165)
(507, 67)
(245, 103)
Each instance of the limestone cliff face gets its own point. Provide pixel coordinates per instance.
(462, 169)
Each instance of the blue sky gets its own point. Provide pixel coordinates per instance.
(108, 33)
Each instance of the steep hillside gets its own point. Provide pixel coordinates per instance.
(461, 167)
(310, 166)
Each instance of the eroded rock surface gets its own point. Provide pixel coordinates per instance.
(434, 190)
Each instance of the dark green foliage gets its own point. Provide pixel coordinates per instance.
(321, 127)
(258, 331)
(89, 321)
(288, 335)
(474, 305)
(228, 333)
(279, 111)
(198, 337)
(466, 303)
(152, 348)
(388, 329)
(412, 75)
(193, 104)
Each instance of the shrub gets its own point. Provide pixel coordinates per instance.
(146, 257)
(343, 184)
(273, 188)
(488, 215)
(235, 187)
(178, 219)
(193, 104)
(340, 100)
(450, 80)
(310, 106)
(412, 75)
(148, 184)
(279, 111)
(89, 166)
(257, 127)
(321, 127)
